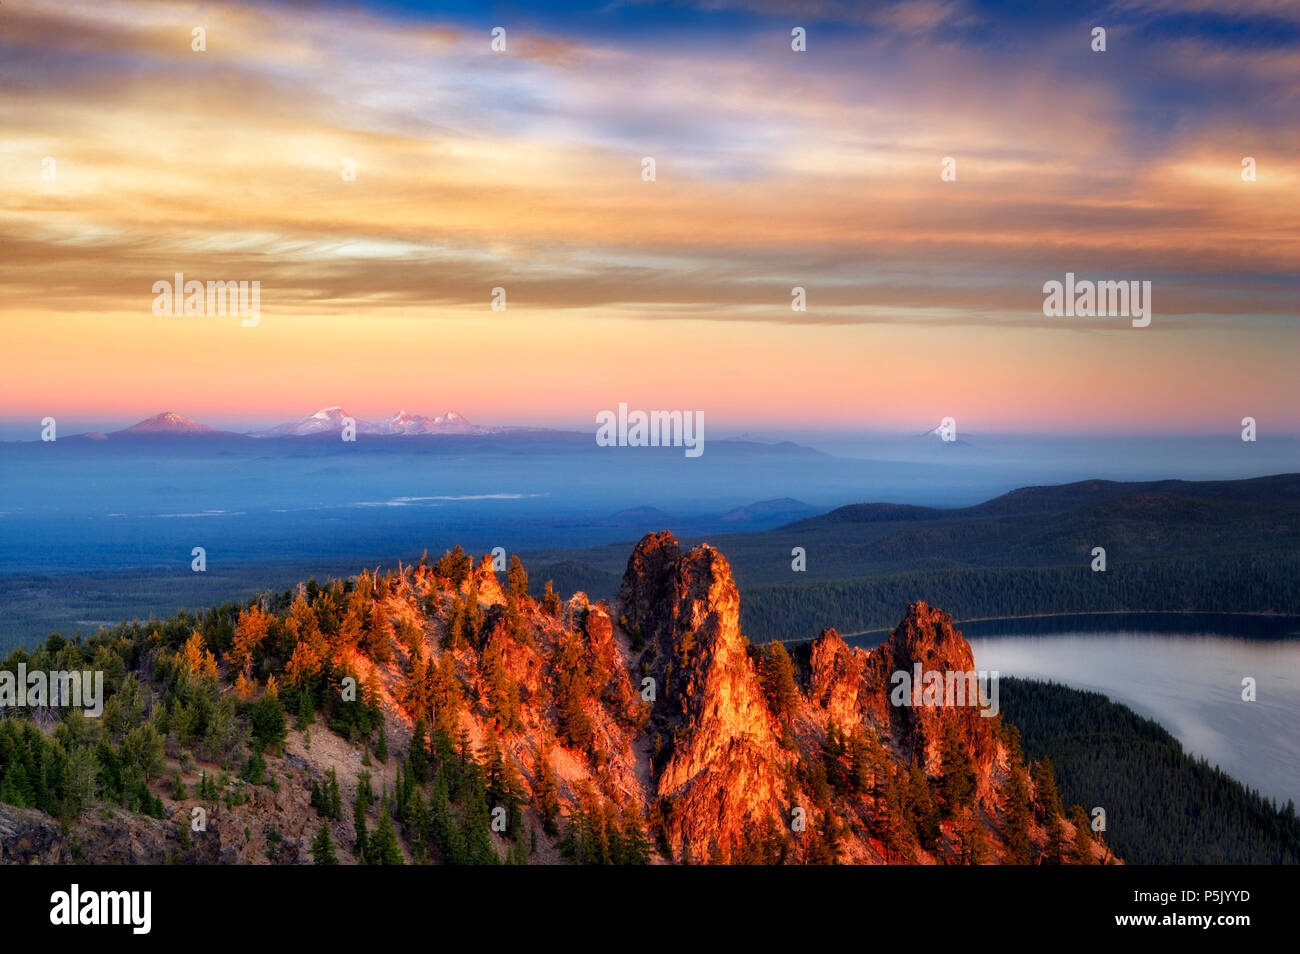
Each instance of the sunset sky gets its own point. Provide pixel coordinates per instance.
(775, 168)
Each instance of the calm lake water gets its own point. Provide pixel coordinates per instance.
(1182, 670)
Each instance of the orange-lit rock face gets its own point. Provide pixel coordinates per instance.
(926, 636)
(723, 770)
(489, 588)
(838, 681)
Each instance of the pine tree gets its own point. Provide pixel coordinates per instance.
(417, 812)
(244, 687)
(254, 770)
(326, 798)
(922, 811)
(1054, 851)
(823, 840)
(1047, 802)
(473, 613)
(512, 788)
(476, 821)
(455, 638)
(889, 819)
(501, 688)
(401, 795)
(455, 565)
(516, 600)
(970, 843)
(1019, 814)
(322, 847)
(574, 689)
(517, 579)
(610, 824)
(832, 759)
(361, 845)
(957, 775)
(417, 758)
(1081, 846)
(635, 843)
(267, 720)
(417, 690)
(442, 828)
(776, 675)
(864, 761)
(546, 798)
(382, 847)
(550, 600)
(447, 695)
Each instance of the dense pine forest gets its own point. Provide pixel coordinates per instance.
(1162, 805)
(1232, 584)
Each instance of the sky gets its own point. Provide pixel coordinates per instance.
(523, 169)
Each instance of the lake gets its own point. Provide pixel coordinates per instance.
(1182, 670)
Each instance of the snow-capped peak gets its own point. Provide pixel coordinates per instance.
(330, 419)
(325, 421)
(168, 422)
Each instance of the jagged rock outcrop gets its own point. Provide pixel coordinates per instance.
(843, 683)
(720, 771)
(725, 766)
(644, 592)
(926, 638)
(489, 587)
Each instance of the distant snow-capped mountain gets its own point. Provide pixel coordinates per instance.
(168, 422)
(329, 420)
(446, 423)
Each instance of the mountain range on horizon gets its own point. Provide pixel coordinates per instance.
(328, 420)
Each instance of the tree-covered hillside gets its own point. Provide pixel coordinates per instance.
(1162, 805)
